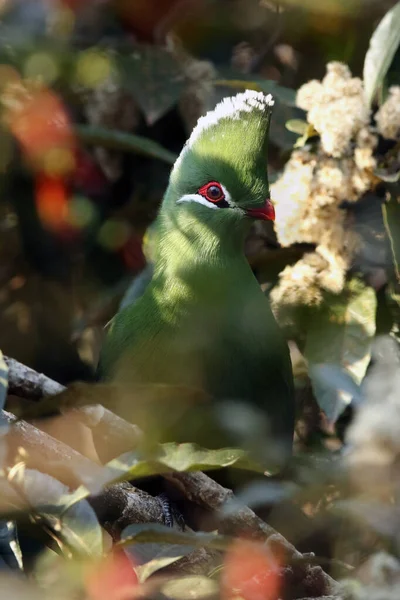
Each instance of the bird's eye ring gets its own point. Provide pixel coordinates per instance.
(212, 192)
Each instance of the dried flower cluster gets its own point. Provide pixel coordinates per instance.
(335, 107)
(309, 194)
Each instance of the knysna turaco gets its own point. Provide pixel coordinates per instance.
(203, 321)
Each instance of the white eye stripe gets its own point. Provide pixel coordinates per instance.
(201, 200)
(197, 198)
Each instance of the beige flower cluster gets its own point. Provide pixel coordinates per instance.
(309, 193)
(335, 107)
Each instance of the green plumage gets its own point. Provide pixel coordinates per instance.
(203, 321)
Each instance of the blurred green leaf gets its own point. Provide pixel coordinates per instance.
(304, 129)
(154, 78)
(338, 346)
(127, 142)
(391, 219)
(43, 497)
(151, 556)
(195, 587)
(297, 126)
(382, 48)
(179, 457)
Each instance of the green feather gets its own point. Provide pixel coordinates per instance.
(203, 321)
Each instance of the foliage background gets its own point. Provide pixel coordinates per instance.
(96, 101)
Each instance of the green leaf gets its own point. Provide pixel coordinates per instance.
(391, 219)
(178, 457)
(297, 126)
(150, 557)
(127, 142)
(195, 587)
(154, 546)
(338, 346)
(154, 78)
(304, 129)
(382, 48)
(42, 496)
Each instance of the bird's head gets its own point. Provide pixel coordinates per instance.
(220, 178)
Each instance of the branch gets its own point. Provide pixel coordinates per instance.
(195, 487)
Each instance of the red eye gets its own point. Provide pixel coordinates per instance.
(212, 191)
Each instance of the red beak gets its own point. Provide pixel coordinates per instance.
(266, 212)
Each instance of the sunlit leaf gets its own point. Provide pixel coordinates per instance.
(154, 78)
(382, 47)
(179, 457)
(76, 524)
(338, 346)
(297, 126)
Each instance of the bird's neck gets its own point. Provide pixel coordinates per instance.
(195, 264)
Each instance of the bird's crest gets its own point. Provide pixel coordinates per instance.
(229, 144)
(232, 108)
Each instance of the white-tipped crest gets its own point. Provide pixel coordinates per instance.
(228, 108)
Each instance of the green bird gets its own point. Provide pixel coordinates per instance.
(203, 323)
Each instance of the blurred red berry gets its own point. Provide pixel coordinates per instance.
(249, 573)
(113, 578)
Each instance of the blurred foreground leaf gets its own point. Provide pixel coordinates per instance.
(179, 457)
(338, 346)
(37, 494)
(152, 547)
(391, 219)
(382, 48)
(154, 78)
(127, 142)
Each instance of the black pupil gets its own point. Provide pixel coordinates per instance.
(214, 192)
